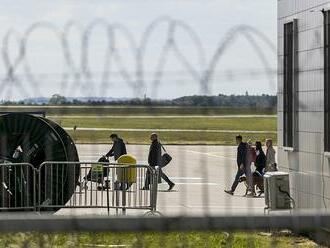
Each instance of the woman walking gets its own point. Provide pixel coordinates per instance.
(270, 156)
(260, 163)
(250, 158)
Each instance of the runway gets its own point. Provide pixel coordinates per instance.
(200, 173)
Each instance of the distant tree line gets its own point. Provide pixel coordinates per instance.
(221, 100)
(260, 101)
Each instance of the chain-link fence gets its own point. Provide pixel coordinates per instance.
(206, 174)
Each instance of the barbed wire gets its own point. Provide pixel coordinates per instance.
(81, 75)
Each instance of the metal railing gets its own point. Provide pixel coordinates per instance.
(17, 190)
(78, 185)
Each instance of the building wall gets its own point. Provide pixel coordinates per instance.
(309, 169)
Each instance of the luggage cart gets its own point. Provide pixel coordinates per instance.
(96, 174)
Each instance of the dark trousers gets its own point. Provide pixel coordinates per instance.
(161, 174)
(166, 179)
(239, 173)
(248, 174)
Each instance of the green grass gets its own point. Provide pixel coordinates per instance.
(264, 124)
(137, 110)
(170, 137)
(164, 240)
(66, 116)
(179, 138)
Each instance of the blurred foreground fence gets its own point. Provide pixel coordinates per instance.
(299, 222)
(80, 74)
(110, 186)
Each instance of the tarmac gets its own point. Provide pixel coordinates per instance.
(200, 173)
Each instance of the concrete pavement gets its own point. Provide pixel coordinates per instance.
(201, 173)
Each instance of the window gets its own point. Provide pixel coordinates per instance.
(326, 81)
(288, 85)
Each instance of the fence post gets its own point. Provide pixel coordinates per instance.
(39, 186)
(34, 189)
(155, 174)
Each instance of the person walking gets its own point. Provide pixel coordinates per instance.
(118, 148)
(270, 156)
(260, 163)
(242, 149)
(250, 158)
(154, 159)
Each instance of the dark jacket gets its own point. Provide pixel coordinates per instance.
(155, 153)
(241, 154)
(260, 161)
(118, 149)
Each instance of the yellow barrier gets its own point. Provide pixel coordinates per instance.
(126, 175)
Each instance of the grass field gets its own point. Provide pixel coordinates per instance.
(220, 131)
(207, 123)
(137, 110)
(153, 240)
(173, 138)
(175, 125)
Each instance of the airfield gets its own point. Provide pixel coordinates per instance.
(200, 173)
(200, 140)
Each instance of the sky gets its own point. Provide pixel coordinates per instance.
(105, 63)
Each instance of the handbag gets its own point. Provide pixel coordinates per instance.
(166, 158)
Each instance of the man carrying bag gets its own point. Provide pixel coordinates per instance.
(156, 158)
(166, 158)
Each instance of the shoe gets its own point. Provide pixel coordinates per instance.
(260, 193)
(230, 192)
(250, 194)
(145, 188)
(171, 187)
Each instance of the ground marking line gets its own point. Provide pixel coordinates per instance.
(214, 206)
(188, 178)
(209, 184)
(211, 155)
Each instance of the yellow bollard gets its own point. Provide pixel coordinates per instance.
(126, 175)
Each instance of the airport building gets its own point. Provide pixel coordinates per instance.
(304, 99)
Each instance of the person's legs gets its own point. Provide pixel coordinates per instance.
(166, 179)
(239, 173)
(249, 178)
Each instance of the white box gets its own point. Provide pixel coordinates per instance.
(277, 190)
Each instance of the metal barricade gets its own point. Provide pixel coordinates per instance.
(18, 187)
(98, 185)
(87, 185)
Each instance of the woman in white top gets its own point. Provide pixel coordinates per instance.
(270, 156)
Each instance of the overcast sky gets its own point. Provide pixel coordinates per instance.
(239, 69)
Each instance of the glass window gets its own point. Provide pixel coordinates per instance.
(288, 87)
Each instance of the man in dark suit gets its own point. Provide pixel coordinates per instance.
(118, 147)
(241, 163)
(154, 159)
